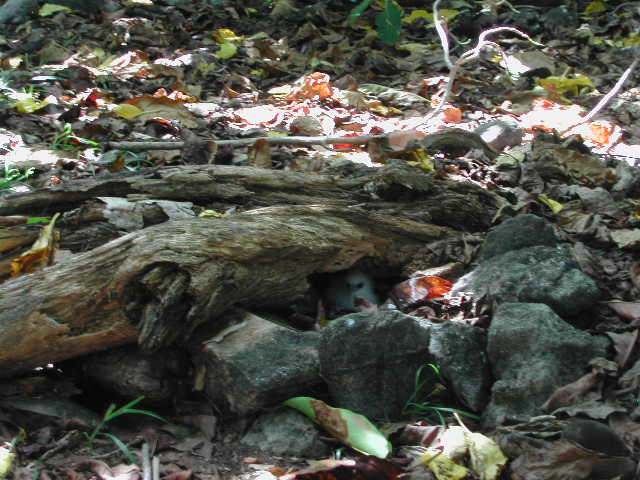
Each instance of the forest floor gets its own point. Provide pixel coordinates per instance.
(76, 84)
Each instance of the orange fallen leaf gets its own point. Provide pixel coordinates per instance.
(452, 115)
(418, 289)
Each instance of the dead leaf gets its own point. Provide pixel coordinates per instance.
(366, 467)
(162, 107)
(41, 253)
(452, 115)
(417, 289)
(487, 458)
(571, 393)
(260, 154)
(259, 115)
(312, 87)
(553, 460)
(624, 344)
(119, 472)
(628, 310)
(72, 474)
(399, 139)
(182, 475)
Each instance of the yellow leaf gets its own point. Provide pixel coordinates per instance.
(562, 84)
(277, 133)
(50, 8)
(211, 213)
(28, 104)
(421, 160)
(632, 40)
(227, 50)
(415, 48)
(552, 204)
(595, 7)
(442, 466)
(127, 111)
(445, 13)
(40, 254)
(416, 14)
(7, 456)
(224, 35)
(487, 460)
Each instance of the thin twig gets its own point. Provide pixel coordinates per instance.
(138, 146)
(466, 57)
(147, 474)
(442, 34)
(604, 101)
(156, 468)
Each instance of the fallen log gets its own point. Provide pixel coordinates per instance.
(396, 188)
(158, 284)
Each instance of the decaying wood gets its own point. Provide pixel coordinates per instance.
(394, 189)
(158, 284)
(144, 146)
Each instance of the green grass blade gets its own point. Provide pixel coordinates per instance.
(148, 413)
(122, 446)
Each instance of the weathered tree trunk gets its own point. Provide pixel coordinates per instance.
(159, 283)
(396, 189)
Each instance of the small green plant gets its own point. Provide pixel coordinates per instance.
(388, 21)
(13, 176)
(135, 161)
(426, 409)
(67, 140)
(112, 413)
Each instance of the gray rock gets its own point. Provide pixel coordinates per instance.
(286, 432)
(369, 361)
(16, 11)
(255, 363)
(521, 262)
(500, 134)
(459, 352)
(532, 352)
(518, 232)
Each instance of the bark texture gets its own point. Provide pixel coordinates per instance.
(159, 283)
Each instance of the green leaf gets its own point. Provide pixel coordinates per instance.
(358, 10)
(112, 413)
(126, 409)
(122, 446)
(148, 413)
(49, 9)
(32, 220)
(389, 22)
(350, 428)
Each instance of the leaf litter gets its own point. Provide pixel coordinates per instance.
(240, 72)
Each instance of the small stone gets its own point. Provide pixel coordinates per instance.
(500, 134)
(307, 126)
